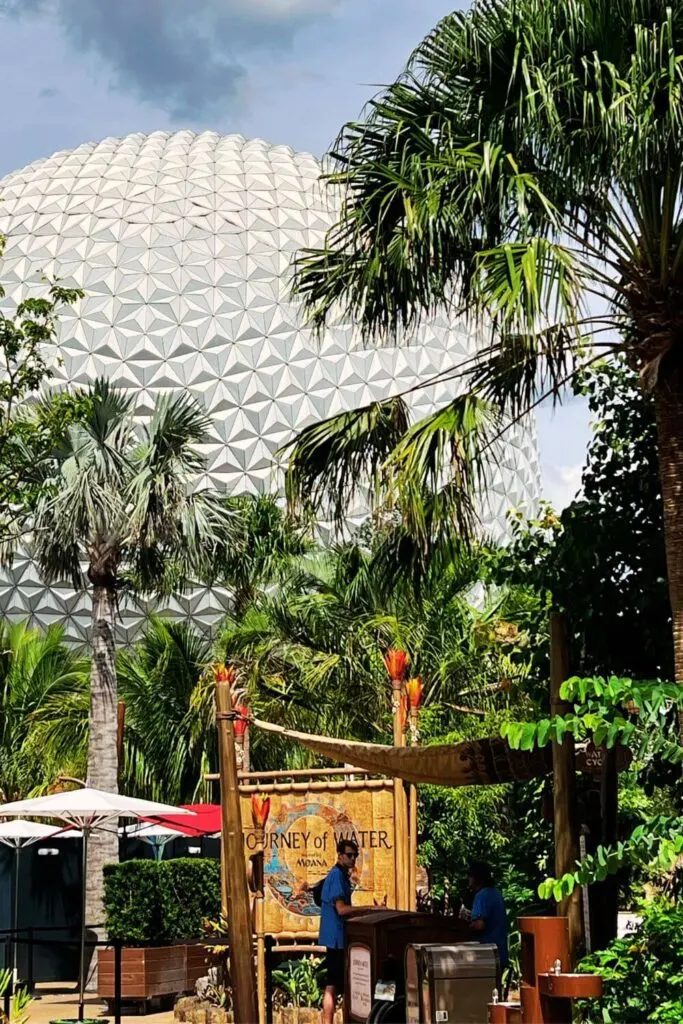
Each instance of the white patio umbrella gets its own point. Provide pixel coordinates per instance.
(18, 834)
(87, 809)
(156, 836)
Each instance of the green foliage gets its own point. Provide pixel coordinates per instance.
(602, 560)
(426, 474)
(264, 554)
(643, 972)
(132, 902)
(300, 981)
(126, 506)
(28, 436)
(21, 1000)
(526, 160)
(310, 650)
(190, 894)
(160, 902)
(38, 671)
(609, 712)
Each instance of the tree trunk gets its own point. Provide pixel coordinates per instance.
(102, 748)
(669, 412)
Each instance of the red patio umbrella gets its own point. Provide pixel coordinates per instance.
(206, 820)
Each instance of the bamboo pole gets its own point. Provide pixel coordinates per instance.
(412, 856)
(260, 924)
(299, 773)
(566, 819)
(317, 787)
(233, 874)
(400, 811)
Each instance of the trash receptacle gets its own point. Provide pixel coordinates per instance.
(376, 945)
(446, 984)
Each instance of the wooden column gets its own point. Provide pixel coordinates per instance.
(566, 818)
(259, 923)
(412, 814)
(412, 855)
(233, 869)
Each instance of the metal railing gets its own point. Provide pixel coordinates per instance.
(10, 937)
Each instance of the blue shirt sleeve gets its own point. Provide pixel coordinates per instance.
(481, 908)
(333, 889)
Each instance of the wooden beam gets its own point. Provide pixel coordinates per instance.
(566, 817)
(233, 867)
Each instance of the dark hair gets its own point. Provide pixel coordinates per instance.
(344, 843)
(481, 872)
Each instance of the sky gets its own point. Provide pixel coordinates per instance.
(289, 71)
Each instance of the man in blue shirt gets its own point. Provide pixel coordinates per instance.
(335, 906)
(489, 920)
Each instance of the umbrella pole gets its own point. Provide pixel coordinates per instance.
(81, 971)
(17, 851)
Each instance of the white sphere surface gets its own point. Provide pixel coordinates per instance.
(183, 243)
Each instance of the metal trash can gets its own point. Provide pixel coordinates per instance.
(450, 984)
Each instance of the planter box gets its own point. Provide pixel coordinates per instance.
(151, 971)
(196, 965)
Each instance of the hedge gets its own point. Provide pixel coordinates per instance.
(160, 902)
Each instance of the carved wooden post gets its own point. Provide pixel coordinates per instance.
(396, 662)
(234, 875)
(414, 691)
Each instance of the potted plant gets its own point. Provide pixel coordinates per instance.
(157, 911)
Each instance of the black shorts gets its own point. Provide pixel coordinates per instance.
(333, 970)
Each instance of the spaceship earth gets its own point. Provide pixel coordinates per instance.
(182, 243)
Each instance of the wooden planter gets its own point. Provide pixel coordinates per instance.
(151, 971)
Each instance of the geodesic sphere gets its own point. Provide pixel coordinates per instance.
(183, 244)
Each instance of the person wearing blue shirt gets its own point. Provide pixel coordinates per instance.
(489, 920)
(335, 906)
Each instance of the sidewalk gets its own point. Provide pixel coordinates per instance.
(58, 1002)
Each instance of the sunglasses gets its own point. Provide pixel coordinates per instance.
(350, 854)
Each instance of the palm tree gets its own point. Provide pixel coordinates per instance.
(166, 754)
(124, 507)
(36, 669)
(309, 651)
(270, 540)
(526, 170)
(166, 750)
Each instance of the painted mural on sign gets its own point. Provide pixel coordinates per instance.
(300, 848)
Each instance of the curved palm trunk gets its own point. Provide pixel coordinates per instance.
(669, 411)
(102, 747)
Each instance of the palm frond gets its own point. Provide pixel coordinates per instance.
(330, 461)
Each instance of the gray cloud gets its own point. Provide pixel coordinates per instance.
(48, 94)
(190, 57)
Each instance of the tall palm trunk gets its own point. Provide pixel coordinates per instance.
(669, 411)
(102, 745)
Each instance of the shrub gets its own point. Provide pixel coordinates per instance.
(190, 894)
(643, 972)
(149, 903)
(132, 902)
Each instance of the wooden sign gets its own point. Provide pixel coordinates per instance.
(300, 848)
(589, 758)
